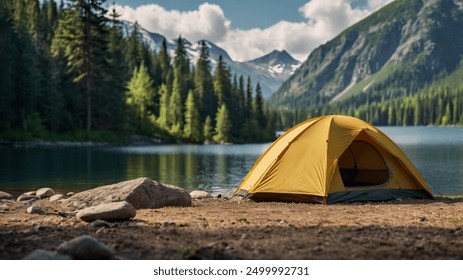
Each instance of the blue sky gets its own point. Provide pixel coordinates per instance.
(247, 29)
(244, 14)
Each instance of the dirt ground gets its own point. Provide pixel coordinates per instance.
(223, 229)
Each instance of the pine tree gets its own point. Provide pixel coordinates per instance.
(192, 129)
(133, 55)
(223, 125)
(259, 108)
(176, 110)
(181, 70)
(248, 99)
(204, 87)
(82, 34)
(140, 95)
(163, 119)
(164, 62)
(207, 129)
(7, 54)
(222, 83)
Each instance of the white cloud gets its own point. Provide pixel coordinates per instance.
(323, 21)
(208, 21)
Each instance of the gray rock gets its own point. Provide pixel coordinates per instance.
(102, 224)
(86, 248)
(35, 210)
(56, 197)
(40, 254)
(115, 211)
(44, 193)
(141, 193)
(5, 195)
(26, 197)
(197, 194)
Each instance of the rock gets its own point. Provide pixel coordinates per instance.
(69, 194)
(35, 210)
(44, 193)
(141, 193)
(56, 197)
(114, 211)
(40, 254)
(4, 207)
(102, 224)
(31, 193)
(26, 197)
(5, 195)
(86, 248)
(196, 194)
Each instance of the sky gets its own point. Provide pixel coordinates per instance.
(249, 29)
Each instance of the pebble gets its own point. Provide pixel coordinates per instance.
(102, 224)
(26, 197)
(44, 193)
(86, 247)
(35, 210)
(4, 207)
(197, 194)
(69, 194)
(56, 197)
(31, 193)
(6, 196)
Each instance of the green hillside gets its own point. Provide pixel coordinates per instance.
(409, 52)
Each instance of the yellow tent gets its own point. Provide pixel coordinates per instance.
(333, 159)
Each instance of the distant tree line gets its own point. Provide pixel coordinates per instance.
(69, 68)
(395, 102)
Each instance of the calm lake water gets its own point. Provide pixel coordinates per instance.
(436, 151)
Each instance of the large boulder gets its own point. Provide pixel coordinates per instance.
(114, 211)
(141, 193)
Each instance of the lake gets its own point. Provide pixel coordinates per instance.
(436, 151)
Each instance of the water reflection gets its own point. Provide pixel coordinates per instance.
(437, 152)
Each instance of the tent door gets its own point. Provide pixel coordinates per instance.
(361, 165)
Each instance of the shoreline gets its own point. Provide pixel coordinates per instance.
(217, 228)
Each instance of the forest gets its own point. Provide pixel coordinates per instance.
(68, 72)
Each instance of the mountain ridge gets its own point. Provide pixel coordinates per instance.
(270, 70)
(394, 52)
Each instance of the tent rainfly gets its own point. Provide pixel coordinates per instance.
(333, 159)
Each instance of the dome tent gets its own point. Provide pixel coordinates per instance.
(333, 159)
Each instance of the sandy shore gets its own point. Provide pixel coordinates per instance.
(222, 229)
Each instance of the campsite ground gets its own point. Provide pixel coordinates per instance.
(223, 229)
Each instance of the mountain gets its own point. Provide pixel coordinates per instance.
(270, 71)
(396, 52)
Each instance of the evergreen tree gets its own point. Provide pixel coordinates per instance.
(140, 95)
(181, 70)
(223, 125)
(222, 83)
(164, 62)
(133, 56)
(163, 119)
(176, 110)
(207, 129)
(259, 108)
(192, 129)
(204, 87)
(7, 55)
(248, 99)
(82, 35)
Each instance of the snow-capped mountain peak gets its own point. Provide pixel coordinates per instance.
(270, 70)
